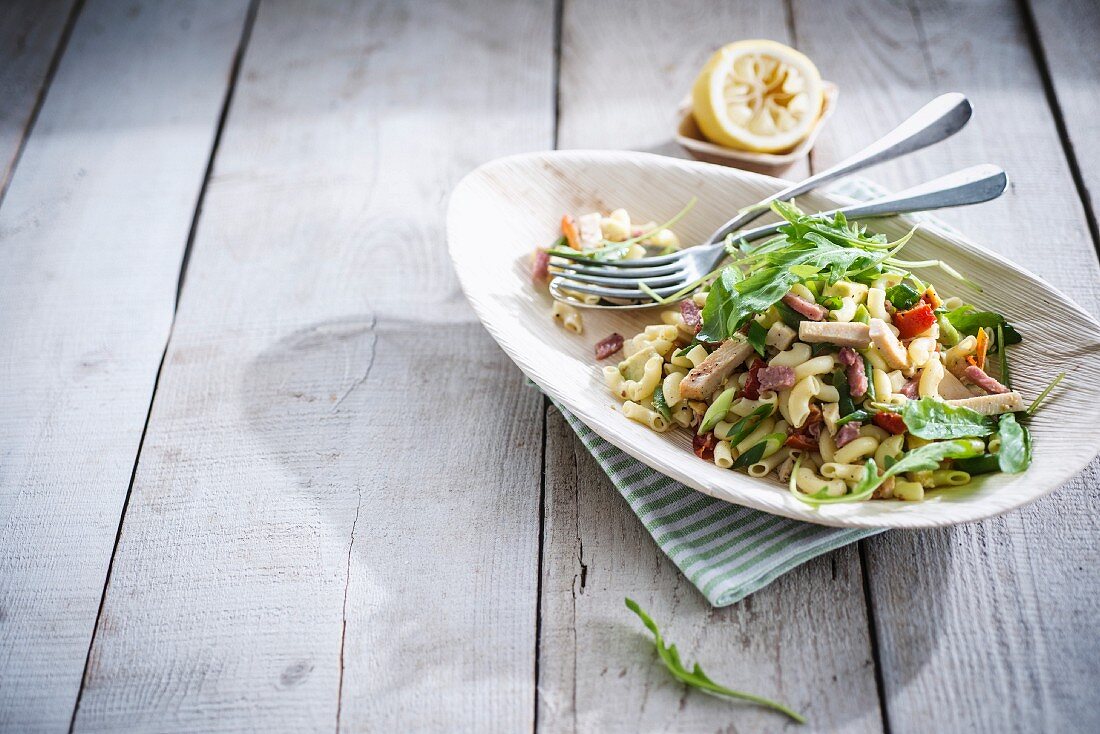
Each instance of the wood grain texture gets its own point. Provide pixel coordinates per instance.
(30, 31)
(987, 627)
(624, 69)
(1067, 32)
(598, 671)
(87, 288)
(334, 522)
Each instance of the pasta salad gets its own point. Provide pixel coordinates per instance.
(818, 358)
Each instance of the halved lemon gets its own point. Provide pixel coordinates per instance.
(757, 95)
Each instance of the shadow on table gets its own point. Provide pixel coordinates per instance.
(801, 639)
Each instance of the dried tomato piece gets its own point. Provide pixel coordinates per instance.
(609, 345)
(693, 318)
(752, 384)
(801, 441)
(704, 446)
(914, 321)
(540, 266)
(889, 422)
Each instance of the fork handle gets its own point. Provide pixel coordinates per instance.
(971, 185)
(938, 120)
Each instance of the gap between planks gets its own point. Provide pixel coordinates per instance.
(242, 45)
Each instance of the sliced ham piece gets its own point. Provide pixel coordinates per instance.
(978, 376)
(540, 266)
(892, 350)
(1006, 402)
(911, 389)
(775, 378)
(705, 379)
(810, 310)
(857, 374)
(853, 334)
(848, 432)
(693, 319)
(609, 345)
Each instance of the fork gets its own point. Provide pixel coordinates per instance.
(939, 119)
(670, 274)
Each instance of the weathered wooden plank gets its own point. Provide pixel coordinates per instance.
(624, 69)
(1067, 32)
(339, 486)
(91, 235)
(30, 31)
(992, 626)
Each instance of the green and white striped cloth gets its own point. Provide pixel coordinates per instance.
(726, 550)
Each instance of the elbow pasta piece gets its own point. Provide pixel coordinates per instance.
(767, 464)
(796, 355)
(798, 405)
(827, 394)
(874, 356)
(826, 446)
(616, 226)
(700, 298)
(635, 389)
(743, 406)
(847, 311)
(784, 405)
(831, 413)
(955, 357)
(810, 483)
(920, 351)
(890, 447)
(568, 317)
(816, 366)
(697, 354)
(908, 491)
(855, 450)
(671, 388)
(876, 304)
(949, 477)
(872, 431)
(723, 456)
(682, 415)
(883, 388)
(803, 292)
(846, 472)
(930, 378)
(645, 416)
(846, 289)
(757, 435)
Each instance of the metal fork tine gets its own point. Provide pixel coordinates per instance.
(603, 292)
(679, 278)
(642, 262)
(632, 274)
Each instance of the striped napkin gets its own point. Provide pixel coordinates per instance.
(726, 550)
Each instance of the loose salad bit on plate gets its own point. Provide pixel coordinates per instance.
(818, 357)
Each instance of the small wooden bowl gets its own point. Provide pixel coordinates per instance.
(691, 139)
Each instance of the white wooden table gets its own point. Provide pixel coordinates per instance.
(262, 470)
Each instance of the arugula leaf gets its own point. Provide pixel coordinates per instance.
(757, 335)
(719, 306)
(925, 458)
(696, 678)
(935, 419)
(660, 405)
(984, 464)
(902, 296)
(967, 321)
(789, 316)
(1014, 456)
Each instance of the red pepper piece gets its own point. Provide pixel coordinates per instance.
(915, 320)
(752, 385)
(889, 422)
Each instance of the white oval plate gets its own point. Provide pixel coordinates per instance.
(505, 209)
